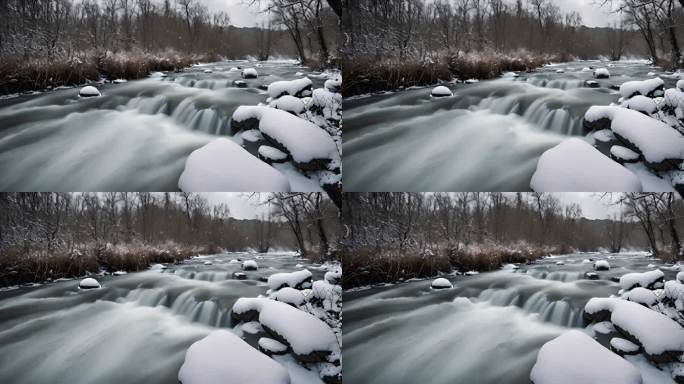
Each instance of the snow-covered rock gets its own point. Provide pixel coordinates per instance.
(327, 296)
(250, 265)
(249, 73)
(601, 265)
(333, 84)
(327, 105)
(333, 277)
(223, 358)
(623, 154)
(297, 88)
(680, 277)
(271, 347)
(575, 358)
(441, 283)
(223, 165)
(643, 296)
(623, 346)
(290, 296)
(297, 280)
(649, 88)
(208, 262)
(661, 338)
(648, 280)
(441, 91)
(601, 73)
(272, 155)
(642, 104)
(290, 104)
(592, 84)
(120, 273)
(89, 283)
(89, 91)
(311, 147)
(576, 166)
(239, 276)
(661, 146)
(310, 339)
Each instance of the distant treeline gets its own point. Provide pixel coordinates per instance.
(395, 236)
(51, 235)
(69, 29)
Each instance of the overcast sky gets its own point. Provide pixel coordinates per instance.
(242, 205)
(240, 12)
(592, 14)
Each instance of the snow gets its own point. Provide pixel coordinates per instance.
(290, 296)
(120, 273)
(250, 265)
(297, 279)
(680, 277)
(603, 327)
(642, 104)
(656, 140)
(298, 88)
(290, 104)
(623, 345)
(249, 73)
(441, 91)
(648, 279)
(588, 171)
(656, 332)
(680, 85)
(89, 91)
(272, 153)
(223, 358)
(271, 345)
(333, 277)
(222, 165)
(601, 73)
(303, 332)
(334, 84)
(441, 283)
(304, 140)
(329, 296)
(602, 265)
(643, 87)
(575, 358)
(252, 135)
(604, 135)
(328, 103)
(89, 283)
(642, 296)
(623, 153)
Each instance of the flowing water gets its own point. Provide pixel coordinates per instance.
(486, 330)
(487, 137)
(135, 329)
(135, 137)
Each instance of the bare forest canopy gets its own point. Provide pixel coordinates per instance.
(77, 223)
(442, 223)
(421, 30)
(79, 29)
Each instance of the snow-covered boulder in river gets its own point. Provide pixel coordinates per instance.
(575, 358)
(297, 88)
(649, 280)
(297, 280)
(441, 91)
(223, 358)
(89, 91)
(89, 283)
(601, 265)
(250, 265)
(601, 73)
(249, 73)
(649, 88)
(272, 155)
(441, 283)
(588, 171)
(223, 165)
(290, 104)
(310, 339)
(642, 104)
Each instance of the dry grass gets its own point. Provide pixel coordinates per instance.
(368, 268)
(40, 74)
(364, 76)
(39, 266)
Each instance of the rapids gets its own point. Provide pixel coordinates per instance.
(487, 137)
(135, 329)
(135, 137)
(486, 330)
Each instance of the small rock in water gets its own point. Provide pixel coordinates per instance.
(250, 265)
(208, 71)
(441, 91)
(89, 91)
(249, 73)
(441, 283)
(601, 73)
(240, 84)
(239, 276)
(208, 262)
(120, 81)
(89, 283)
(120, 273)
(591, 275)
(601, 265)
(591, 84)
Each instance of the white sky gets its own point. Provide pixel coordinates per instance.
(242, 205)
(240, 12)
(592, 14)
(594, 205)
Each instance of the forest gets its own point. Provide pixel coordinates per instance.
(46, 236)
(396, 236)
(424, 41)
(68, 42)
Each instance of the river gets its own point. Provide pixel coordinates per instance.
(136, 137)
(486, 330)
(488, 137)
(135, 329)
